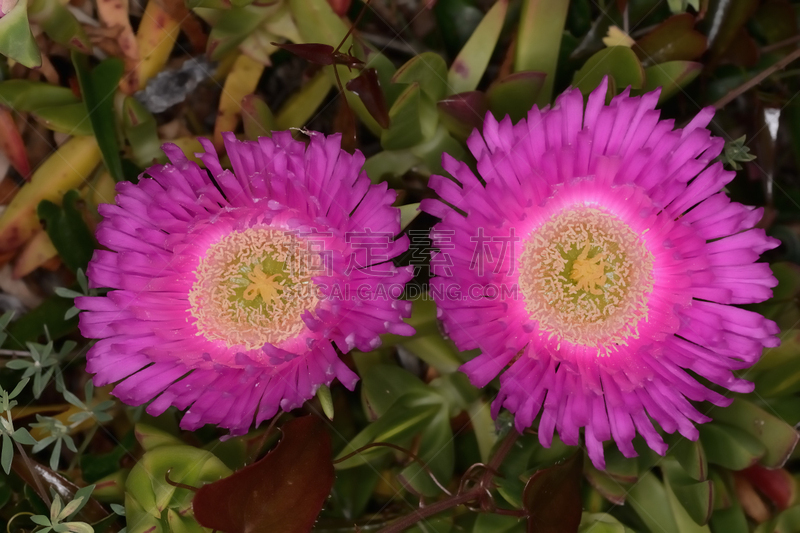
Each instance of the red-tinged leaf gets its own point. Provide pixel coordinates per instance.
(340, 7)
(461, 113)
(321, 54)
(283, 492)
(675, 39)
(367, 87)
(743, 51)
(12, 145)
(345, 123)
(552, 497)
(777, 485)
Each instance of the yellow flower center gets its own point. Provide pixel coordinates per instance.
(586, 277)
(252, 288)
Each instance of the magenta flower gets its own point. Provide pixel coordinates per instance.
(597, 258)
(230, 293)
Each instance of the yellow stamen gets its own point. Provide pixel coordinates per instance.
(586, 278)
(236, 270)
(267, 287)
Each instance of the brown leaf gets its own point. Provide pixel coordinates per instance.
(552, 497)
(283, 492)
(345, 123)
(675, 39)
(321, 54)
(367, 87)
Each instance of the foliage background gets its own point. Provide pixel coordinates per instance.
(90, 90)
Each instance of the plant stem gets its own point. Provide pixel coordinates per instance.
(755, 80)
(403, 523)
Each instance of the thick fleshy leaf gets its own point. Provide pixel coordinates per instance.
(413, 120)
(16, 40)
(777, 436)
(240, 81)
(257, 117)
(71, 119)
(25, 95)
(467, 69)
(97, 88)
(541, 28)
(776, 484)
(302, 105)
(406, 418)
(617, 62)
(67, 230)
(610, 488)
(367, 87)
(65, 169)
(552, 497)
(429, 70)
(671, 77)
(234, 25)
(141, 131)
(690, 455)
(729, 446)
(284, 491)
(674, 39)
(462, 113)
(31, 327)
(696, 498)
(59, 24)
(515, 94)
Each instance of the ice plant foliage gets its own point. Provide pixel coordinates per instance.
(229, 294)
(595, 260)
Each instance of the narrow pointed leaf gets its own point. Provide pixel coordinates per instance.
(671, 77)
(98, 87)
(541, 29)
(67, 230)
(462, 113)
(429, 70)
(59, 24)
(25, 95)
(257, 117)
(467, 69)
(367, 87)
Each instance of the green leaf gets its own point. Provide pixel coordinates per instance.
(302, 105)
(7, 453)
(429, 70)
(413, 120)
(234, 26)
(437, 452)
(98, 87)
(696, 498)
(601, 523)
(68, 118)
(777, 436)
(16, 40)
(22, 436)
(617, 62)
(495, 523)
(324, 396)
(257, 118)
(671, 77)
(690, 455)
(25, 95)
(648, 498)
(59, 24)
(30, 327)
(515, 95)
(467, 69)
(435, 351)
(729, 446)
(141, 131)
(402, 421)
(67, 230)
(383, 385)
(539, 39)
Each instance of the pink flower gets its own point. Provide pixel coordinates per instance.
(598, 258)
(230, 294)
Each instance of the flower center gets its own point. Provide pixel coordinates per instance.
(586, 277)
(252, 288)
